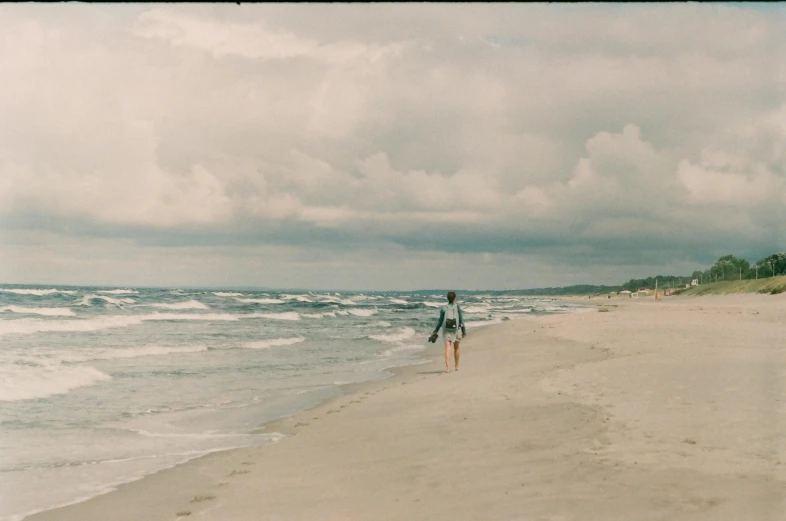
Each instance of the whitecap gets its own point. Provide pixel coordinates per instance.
(475, 309)
(227, 294)
(274, 342)
(119, 291)
(26, 382)
(261, 300)
(188, 316)
(363, 312)
(299, 298)
(289, 315)
(433, 304)
(190, 304)
(87, 299)
(398, 301)
(319, 315)
(50, 312)
(30, 326)
(37, 292)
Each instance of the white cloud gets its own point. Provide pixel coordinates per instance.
(582, 125)
(709, 185)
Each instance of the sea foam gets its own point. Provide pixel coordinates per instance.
(29, 326)
(88, 299)
(299, 298)
(50, 312)
(126, 352)
(191, 316)
(475, 309)
(398, 336)
(261, 300)
(24, 382)
(363, 312)
(190, 304)
(289, 315)
(37, 292)
(273, 342)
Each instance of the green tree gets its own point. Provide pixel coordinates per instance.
(728, 267)
(772, 265)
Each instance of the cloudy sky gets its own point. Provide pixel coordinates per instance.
(384, 146)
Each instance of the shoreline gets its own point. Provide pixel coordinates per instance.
(285, 426)
(265, 428)
(650, 410)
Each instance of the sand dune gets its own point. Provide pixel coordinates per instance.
(647, 410)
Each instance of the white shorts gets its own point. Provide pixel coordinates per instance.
(451, 336)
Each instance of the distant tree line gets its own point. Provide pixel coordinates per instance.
(727, 267)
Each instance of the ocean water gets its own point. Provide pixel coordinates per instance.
(101, 386)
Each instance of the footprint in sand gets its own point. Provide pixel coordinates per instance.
(236, 472)
(249, 462)
(198, 499)
(331, 411)
(301, 424)
(183, 513)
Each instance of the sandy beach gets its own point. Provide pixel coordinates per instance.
(641, 410)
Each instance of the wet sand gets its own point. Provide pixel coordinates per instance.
(641, 410)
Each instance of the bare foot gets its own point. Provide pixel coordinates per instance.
(447, 370)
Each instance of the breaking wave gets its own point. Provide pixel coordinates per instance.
(191, 304)
(25, 383)
(49, 312)
(273, 342)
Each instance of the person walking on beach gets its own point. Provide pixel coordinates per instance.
(453, 318)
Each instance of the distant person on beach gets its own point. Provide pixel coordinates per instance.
(453, 318)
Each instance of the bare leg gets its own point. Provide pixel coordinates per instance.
(456, 353)
(447, 357)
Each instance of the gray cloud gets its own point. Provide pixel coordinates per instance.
(578, 135)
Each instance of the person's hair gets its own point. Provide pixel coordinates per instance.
(451, 297)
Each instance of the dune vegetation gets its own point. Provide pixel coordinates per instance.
(771, 285)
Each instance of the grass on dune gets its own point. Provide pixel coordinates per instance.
(772, 285)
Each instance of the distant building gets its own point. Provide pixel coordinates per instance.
(694, 282)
